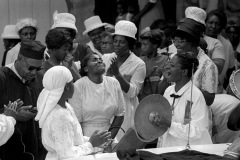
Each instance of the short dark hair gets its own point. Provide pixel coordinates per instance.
(154, 36)
(72, 32)
(57, 37)
(84, 63)
(106, 34)
(187, 60)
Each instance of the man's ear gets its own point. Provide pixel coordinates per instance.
(184, 72)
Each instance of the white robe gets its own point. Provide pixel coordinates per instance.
(62, 135)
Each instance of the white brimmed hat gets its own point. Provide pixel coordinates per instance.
(92, 23)
(234, 83)
(65, 20)
(196, 14)
(10, 32)
(26, 22)
(125, 28)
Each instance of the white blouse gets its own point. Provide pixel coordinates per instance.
(6, 128)
(177, 135)
(62, 135)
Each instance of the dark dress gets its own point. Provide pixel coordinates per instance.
(11, 89)
(81, 51)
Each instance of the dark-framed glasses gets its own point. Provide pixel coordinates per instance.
(31, 68)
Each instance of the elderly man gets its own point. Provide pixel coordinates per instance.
(17, 84)
(94, 29)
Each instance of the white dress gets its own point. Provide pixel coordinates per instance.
(134, 71)
(6, 128)
(62, 135)
(222, 106)
(95, 105)
(177, 135)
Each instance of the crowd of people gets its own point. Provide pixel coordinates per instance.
(68, 99)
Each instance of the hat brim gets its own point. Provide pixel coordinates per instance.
(95, 27)
(10, 37)
(120, 34)
(64, 26)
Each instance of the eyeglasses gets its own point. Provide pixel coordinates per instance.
(179, 41)
(106, 43)
(31, 68)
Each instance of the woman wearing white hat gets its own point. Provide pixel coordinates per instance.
(127, 68)
(61, 132)
(66, 21)
(27, 29)
(94, 29)
(10, 39)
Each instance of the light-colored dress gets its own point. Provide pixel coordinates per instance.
(222, 106)
(95, 105)
(229, 59)
(13, 54)
(134, 71)
(177, 135)
(206, 76)
(6, 128)
(62, 135)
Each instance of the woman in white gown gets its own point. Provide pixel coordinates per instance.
(61, 133)
(97, 99)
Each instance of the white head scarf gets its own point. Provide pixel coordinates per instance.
(54, 82)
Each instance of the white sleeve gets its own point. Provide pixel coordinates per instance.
(137, 80)
(6, 128)
(62, 132)
(76, 101)
(210, 77)
(198, 125)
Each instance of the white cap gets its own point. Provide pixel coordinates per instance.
(125, 28)
(10, 32)
(65, 20)
(92, 23)
(26, 22)
(196, 14)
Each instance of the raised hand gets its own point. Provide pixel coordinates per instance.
(98, 138)
(114, 69)
(68, 61)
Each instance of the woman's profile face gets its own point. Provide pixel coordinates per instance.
(120, 45)
(173, 71)
(70, 89)
(95, 65)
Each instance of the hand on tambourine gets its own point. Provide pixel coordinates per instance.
(98, 139)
